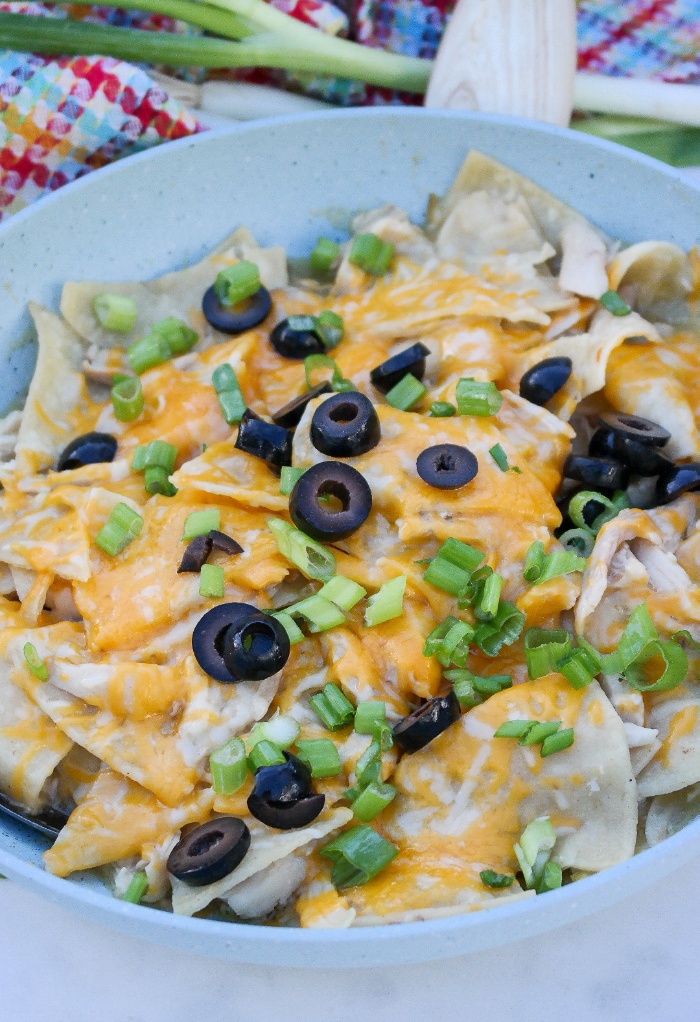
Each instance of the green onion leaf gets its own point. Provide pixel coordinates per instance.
(199, 523)
(550, 879)
(288, 478)
(358, 855)
(122, 526)
(152, 350)
(476, 398)
(613, 303)
(387, 603)
(330, 328)
(442, 409)
(472, 690)
(454, 648)
(229, 767)
(114, 312)
(534, 562)
(544, 649)
(371, 254)
(490, 595)
(370, 715)
(337, 380)
(332, 707)
(157, 454)
(138, 885)
(675, 661)
(610, 510)
(445, 575)
(343, 592)
(237, 282)
(372, 800)
(505, 628)
(127, 399)
(294, 632)
(514, 729)
(539, 731)
(320, 755)
(211, 581)
(464, 556)
(325, 253)
(540, 567)
(639, 633)
(312, 559)
(558, 741)
(34, 662)
(406, 393)
(434, 641)
(491, 879)
(532, 851)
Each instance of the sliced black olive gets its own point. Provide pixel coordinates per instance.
(196, 553)
(209, 852)
(599, 473)
(345, 425)
(291, 340)
(255, 647)
(264, 440)
(290, 415)
(236, 319)
(282, 796)
(540, 383)
(208, 638)
(88, 449)
(410, 360)
(634, 427)
(427, 722)
(226, 544)
(447, 466)
(642, 459)
(330, 479)
(676, 480)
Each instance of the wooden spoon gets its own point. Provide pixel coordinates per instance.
(508, 57)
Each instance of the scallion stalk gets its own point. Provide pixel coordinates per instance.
(265, 754)
(343, 592)
(372, 800)
(237, 282)
(138, 885)
(477, 398)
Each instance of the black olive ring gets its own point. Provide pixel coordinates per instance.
(255, 647)
(640, 458)
(345, 425)
(634, 427)
(282, 795)
(209, 852)
(236, 319)
(677, 479)
(292, 343)
(600, 473)
(410, 360)
(447, 466)
(208, 638)
(88, 449)
(333, 479)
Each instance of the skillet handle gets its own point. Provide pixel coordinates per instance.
(513, 57)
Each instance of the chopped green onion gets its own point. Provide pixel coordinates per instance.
(324, 254)
(442, 409)
(371, 254)
(330, 328)
(358, 855)
(551, 878)
(558, 741)
(638, 634)
(265, 754)
(534, 562)
(337, 380)
(369, 765)
(281, 729)
(476, 398)
(610, 509)
(445, 575)
(579, 666)
(114, 312)
(179, 337)
(683, 635)
(211, 581)
(387, 603)
(491, 879)
(312, 559)
(237, 282)
(539, 731)
(231, 400)
(406, 393)
(474, 588)
(540, 567)
(513, 729)
(127, 399)
(289, 476)
(294, 632)
(122, 526)
(532, 852)
(501, 459)
(372, 800)
(369, 716)
(505, 628)
(464, 556)
(579, 541)
(332, 707)
(320, 755)
(490, 595)
(343, 592)
(675, 661)
(471, 690)
(127, 519)
(454, 648)
(138, 885)
(434, 641)
(156, 481)
(613, 303)
(319, 612)
(156, 454)
(544, 649)
(147, 353)
(34, 662)
(199, 523)
(229, 767)
(138, 462)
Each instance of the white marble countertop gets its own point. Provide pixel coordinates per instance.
(635, 961)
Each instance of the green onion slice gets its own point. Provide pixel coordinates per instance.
(471, 690)
(294, 632)
(446, 576)
(613, 303)
(461, 554)
(387, 603)
(325, 253)
(330, 328)
(147, 353)
(372, 800)
(544, 649)
(551, 878)
(514, 729)
(211, 581)
(557, 742)
(229, 767)
(122, 526)
(319, 612)
(370, 716)
(675, 661)
(179, 337)
(539, 731)
(332, 707)
(199, 523)
(34, 662)
(501, 459)
(156, 481)
(487, 606)
(231, 400)
(532, 851)
(127, 398)
(237, 282)
(371, 254)
(578, 541)
(320, 755)
(115, 312)
(540, 567)
(289, 476)
(343, 592)
(406, 393)
(579, 666)
(281, 729)
(156, 454)
(312, 559)
(442, 409)
(610, 509)
(138, 885)
(477, 398)
(358, 855)
(265, 754)
(337, 380)
(489, 878)
(503, 630)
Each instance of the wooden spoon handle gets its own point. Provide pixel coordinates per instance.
(508, 57)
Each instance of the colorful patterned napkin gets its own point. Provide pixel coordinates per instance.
(62, 118)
